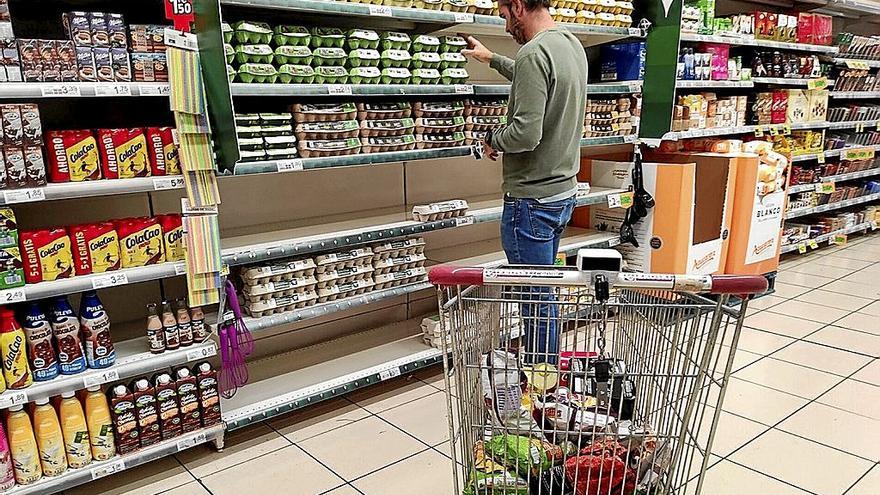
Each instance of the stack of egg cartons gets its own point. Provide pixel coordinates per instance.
(326, 129)
(279, 286)
(482, 116)
(344, 274)
(386, 126)
(439, 124)
(399, 263)
(265, 136)
(439, 211)
(433, 333)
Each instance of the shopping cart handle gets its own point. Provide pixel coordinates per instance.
(738, 284)
(448, 275)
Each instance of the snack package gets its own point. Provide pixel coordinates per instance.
(124, 153)
(95, 247)
(11, 268)
(172, 232)
(8, 228)
(164, 155)
(47, 255)
(140, 242)
(73, 156)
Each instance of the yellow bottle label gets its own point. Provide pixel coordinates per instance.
(52, 455)
(83, 160)
(15, 364)
(103, 444)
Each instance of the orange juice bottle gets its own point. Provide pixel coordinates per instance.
(50, 441)
(75, 431)
(100, 424)
(23, 445)
(14, 351)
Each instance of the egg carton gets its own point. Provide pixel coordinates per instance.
(438, 109)
(485, 108)
(608, 117)
(403, 277)
(340, 291)
(622, 104)
(383, 110)
(329, 147)
(271, 290)
(474, 137)
(323, 112)
(267, 307)
(439, 125)
(276, 272)
(393, 249)
(326, 130)
(343, 259)
(479, 123)
(398, 263)
(439, 211)
(382, 144)
(344, 275)
(431, 141)
(388, 127)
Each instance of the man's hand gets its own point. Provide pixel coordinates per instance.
(477, 50)
(489, 152)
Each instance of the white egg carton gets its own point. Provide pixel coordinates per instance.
(398, 263)
(343, 259)
(394, 249)
(439, 211)
(280, 304)
(403, 277)
(270, 290)
(339, 291)
(344, 275)
(275, 272)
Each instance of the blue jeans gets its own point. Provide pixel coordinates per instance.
(530, 235)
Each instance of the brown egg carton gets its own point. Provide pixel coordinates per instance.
(328, 130)
(259, 309)
(398, 263)
(487, 123)
(340, 291)
(331, 147)
(384, 110)
(323, 112)
(440, 211)
(344, 275)
(386, 144)
(402, 277)
(403, 247)
(272, 290)
(439, 125)
(387, 127)
(485, 108)
(343, 259)
(438, 109)
(609, 117)
(430, 141)
(278, 271)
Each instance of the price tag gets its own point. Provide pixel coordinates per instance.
(110, 280)
(224, 270)
(462, 221)
(802, 248)
(380, 10)
(759, 131)
(155, 89)
(839, 239)
(13, 398)
(289, 165)
(820, 157)
(162, 183)
(389, 374)
(188, 209)
(201, 353)
(180, 12)
(111, 467)
(464, 89)
(813, 244)
(179, 39)
(820, 83)
(180, 269)
(786, 129)
(858, 154)
(60, 90)
(11, 296)
(106, 376)
(774, 131)
(860, 127)
(112, 90)
(191, 442)
(462, 17)
(825, 187)
(621, 200)
(339, 89)
(24, 195)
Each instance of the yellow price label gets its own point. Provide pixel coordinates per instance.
(774, 131)
(560, 260)
(839, 239)
(858, 154)
(820, 157)
(860, 127)
(759, 131)
(813, 244)
(825, 187)
(856, 64)
(626, 199)
(802, 247)
(786, 129)
(820, 83)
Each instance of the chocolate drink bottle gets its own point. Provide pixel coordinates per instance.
(155, 331)
(65, 327)
(169, 324)
(184, 323)
(41, 352)
(95, 326)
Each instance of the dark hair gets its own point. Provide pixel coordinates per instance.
(529, 4)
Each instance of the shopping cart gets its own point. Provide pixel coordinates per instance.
(626, 401)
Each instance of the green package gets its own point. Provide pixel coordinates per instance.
(250, 32)
(363, 57)
(256, 54)
(425, 76)
(453, 76)
(331, 75)
(328, 56)
(452, 61)
(327, 37)
(226, 29)
(257, 73)
(426, 43)
(392, 40)
(452, 44)
(364, 75)
(395, 59)
(293, 54)
(426, 60)
(362, 38)
(523, 454)
(296, 74)
(291, 35)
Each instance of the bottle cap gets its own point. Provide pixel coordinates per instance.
(182, 373)
(152, 309)
(142, 384)
(164, 379)
(166, 307)
(205, 367)
(16, 408)
(94, 388)
(67, 395)
(120, 390)
(42, 402)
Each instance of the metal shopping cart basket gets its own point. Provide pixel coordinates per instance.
(569, 381)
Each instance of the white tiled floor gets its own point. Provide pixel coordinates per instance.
(802, 414)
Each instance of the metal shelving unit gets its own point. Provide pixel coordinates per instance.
(88, 189)
(799, 212)
(746, 129)
(298, 164)
(844, 60)
(31, 90)
(786, 81)
(854, 95)
(834, 178)
(833, 153)
(787, 248)
(338, 90)
(685, 83)
(746, 41)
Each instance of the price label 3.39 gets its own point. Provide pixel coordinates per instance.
(109, 280)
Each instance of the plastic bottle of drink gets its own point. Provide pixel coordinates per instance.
(50, 440)
(23, 445)
(100, 424)
(65, 327)
(155, 331)
(200, 330)
(75, 431)
(13, 349)
(184, 323)
(41, 352)
(95, 326)
(7, 473)
(169, 323)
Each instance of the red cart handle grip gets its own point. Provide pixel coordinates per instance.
(738, 284)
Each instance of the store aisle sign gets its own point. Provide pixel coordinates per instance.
(181, 13)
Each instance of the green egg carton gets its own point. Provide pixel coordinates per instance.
(395, 59)
(251, 32)
(254, 54)
(363, 57)
(452, 44)
(362, 38)
(425, 76)
(327, 37)
(396, 75)
(364, 75)
(452, 61)
(392, 40)
(229, 52)
(257, 73)
(226, 29)
(454, 76)
(455, 5)
(287, 35)
(230, 72)
(331, 75)
(296, 74)
(426, 43)
(328, 56)
(293, 54)
(426, 60)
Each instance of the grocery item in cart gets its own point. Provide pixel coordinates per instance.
(47, 255)
(95, 248)
(73, 156)
(438, 211)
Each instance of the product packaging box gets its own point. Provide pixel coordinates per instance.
(623, 61)
(687, 230)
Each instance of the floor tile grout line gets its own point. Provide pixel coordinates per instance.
(771, 476)
(875, 466)
(398, 427)
(398, 461)
(325, 466)
(244, 461)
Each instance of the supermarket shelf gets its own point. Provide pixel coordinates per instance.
(713, 84)
(125, 276)
(787, 248)
(786, 81)
(9, 90)
(100, 469)
(746, 129)
(859, 6)
(745, 41)
(833, 153)
(589, 34)
(337, 90)
(851, 124)
(575, 239)
(608, 140)
(616, 87)
(295, 164)
(133, 358)
(306, 376)
(835, 178)
(854, 95)
(261, 246)
(831, 206)
(89, 189)
(843, 60)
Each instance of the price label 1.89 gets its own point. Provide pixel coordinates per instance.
(111, 467)
(13, 398)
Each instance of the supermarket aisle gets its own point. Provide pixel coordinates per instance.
(802, 414)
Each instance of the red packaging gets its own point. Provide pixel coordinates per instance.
(779, 107)
(47, 255)
(805, 27)
(124, 153)
(73, 156)
(163, 152)
(172, 231)
(140, 242)
(95, 247)
(822, 29)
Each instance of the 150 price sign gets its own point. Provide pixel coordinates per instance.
(180, 12)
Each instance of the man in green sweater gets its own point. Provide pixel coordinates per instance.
(541, 147)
